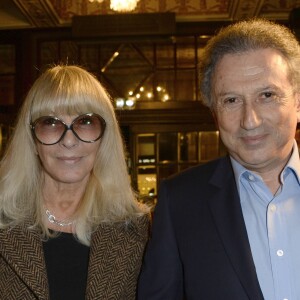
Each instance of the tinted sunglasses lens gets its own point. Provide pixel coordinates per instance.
(89, 128)
(48, 130)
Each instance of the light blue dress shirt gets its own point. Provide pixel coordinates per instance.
(273, 227)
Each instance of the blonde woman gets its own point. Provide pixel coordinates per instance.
(70, 225)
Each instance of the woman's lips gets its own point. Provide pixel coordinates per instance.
(70, 160)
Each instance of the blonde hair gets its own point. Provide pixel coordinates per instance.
(108, 196)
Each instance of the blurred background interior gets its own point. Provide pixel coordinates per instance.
(146, 53)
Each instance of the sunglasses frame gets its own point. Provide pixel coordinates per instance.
(68, 127)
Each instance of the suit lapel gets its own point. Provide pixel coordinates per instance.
(22, 250)
(227, 213)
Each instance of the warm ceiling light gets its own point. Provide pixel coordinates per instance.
(98, 1)
(123, 5)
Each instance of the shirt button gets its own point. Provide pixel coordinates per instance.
(280, 252)
(251, 177)
(273, 207)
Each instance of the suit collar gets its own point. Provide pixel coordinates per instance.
(227, 214)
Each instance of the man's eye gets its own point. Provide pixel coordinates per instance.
(268, 94)
(229, 103)
(230, 100)
(269, 97)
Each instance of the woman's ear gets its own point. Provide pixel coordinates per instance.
(35, 150)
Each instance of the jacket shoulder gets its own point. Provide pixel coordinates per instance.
(201, 174)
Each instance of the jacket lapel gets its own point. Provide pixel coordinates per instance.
(114, 249)
(22, 250)
(227, 213)
(102, 257)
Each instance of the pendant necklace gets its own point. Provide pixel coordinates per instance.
(52, 219)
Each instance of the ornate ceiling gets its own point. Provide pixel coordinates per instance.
(55, 13)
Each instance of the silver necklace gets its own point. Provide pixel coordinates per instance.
(52, 219)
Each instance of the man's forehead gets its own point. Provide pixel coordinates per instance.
(250, 62)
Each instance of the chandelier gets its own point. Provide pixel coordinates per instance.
(120, 5)
(142, 95)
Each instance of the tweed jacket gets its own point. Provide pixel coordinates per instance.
(115, 258)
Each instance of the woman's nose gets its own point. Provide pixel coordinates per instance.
(69, 139)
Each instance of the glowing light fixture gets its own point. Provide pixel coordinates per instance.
(122, 103)
(123, 5)
(130, 103)
(120, 5)
(144, 94)
(112, 58)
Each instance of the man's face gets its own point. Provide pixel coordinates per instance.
(256, 108)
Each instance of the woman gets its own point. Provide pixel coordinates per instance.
(70, 226)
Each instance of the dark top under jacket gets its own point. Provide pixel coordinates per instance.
(67, 267)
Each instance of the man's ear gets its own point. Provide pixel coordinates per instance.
(214, 115)
(298, 106)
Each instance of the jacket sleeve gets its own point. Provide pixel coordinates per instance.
(161, 276)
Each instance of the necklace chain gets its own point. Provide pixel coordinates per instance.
(52, 219)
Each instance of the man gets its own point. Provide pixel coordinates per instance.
(230, 229)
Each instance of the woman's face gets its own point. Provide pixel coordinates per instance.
(70, 161)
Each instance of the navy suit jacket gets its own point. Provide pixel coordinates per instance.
(199, 247)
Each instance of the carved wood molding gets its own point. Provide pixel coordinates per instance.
(40, 13)
(53, 13)
(246, 9)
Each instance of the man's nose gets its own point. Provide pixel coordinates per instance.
(250, 118)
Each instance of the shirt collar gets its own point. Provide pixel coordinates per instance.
(294, 162)
(293, 165)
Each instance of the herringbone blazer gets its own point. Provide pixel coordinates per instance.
(115, 259)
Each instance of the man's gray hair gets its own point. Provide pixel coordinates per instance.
(245, 36)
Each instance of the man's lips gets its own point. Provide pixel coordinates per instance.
(255, 139)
